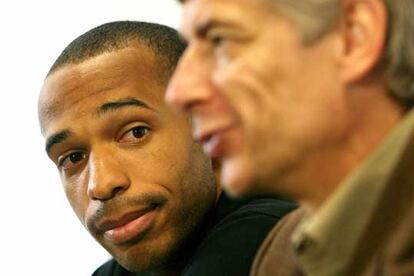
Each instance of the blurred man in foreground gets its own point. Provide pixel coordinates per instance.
(311, 100)
(132, 172)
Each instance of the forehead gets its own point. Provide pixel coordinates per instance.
(198, 12)
(130, 72)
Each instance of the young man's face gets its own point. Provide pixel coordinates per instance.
(130, 168)
(261, 101)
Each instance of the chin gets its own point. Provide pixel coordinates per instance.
(155, 254)
(141, 262)
(237, 178)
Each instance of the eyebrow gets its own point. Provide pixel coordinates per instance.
(204, 27)
(103, 109)
(57, 138)
(127, 102)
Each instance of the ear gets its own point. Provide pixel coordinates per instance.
(363, 30)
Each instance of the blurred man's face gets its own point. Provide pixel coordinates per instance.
(130, 168)
(261, 101)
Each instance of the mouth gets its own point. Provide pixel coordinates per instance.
(129, 226)
(213, 141)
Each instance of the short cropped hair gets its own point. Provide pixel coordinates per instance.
(163, 41)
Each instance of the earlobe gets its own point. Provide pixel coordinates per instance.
(363, 30)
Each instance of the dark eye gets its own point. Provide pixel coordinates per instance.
(216, 39)
(71, 160)
(135, 134)
(139, 132)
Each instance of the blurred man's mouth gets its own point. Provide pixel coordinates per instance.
(214, 140)
(212, 145)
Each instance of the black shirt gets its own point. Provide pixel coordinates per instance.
(229, 247)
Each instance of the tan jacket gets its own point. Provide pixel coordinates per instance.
(393, 257)
(382, 243)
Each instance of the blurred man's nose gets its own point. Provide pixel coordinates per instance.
(190, 83)
(106, 176)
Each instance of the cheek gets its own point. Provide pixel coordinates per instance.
(195, 195)
(77, 197)
(159, 165)
(191, 172)
(247, 90)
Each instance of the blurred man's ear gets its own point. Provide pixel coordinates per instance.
(363, 30)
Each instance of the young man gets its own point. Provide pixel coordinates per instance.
(311, 100)
(133, 174)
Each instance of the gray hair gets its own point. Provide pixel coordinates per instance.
(317, 17)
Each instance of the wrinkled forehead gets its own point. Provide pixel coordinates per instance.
(196, 13)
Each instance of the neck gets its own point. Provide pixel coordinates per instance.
(182, 256)
(372, 115)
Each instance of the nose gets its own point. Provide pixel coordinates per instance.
(106, 176)
(190, 83)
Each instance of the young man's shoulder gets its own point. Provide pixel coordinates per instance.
(228, 248)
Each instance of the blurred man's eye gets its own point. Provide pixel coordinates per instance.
(215, 38)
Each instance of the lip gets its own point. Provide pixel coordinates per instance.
(203, 135)
(212, 146)
(129, 226)
(213, 141)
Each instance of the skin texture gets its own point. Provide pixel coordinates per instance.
(279, 114)
(117, 157)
